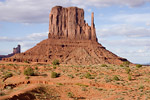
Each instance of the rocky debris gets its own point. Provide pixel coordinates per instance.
(71, 40)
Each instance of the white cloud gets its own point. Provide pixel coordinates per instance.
(7, 39)
(148, 23)
(38, 36)
(123, 30)
(135, 50)
(127, 42)
(31, 37)
(132, 18)
(25, 45)
(28, 11)
(37, 11)
(26, 42)
(2, 52)
(105, 3)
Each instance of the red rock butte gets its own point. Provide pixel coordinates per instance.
(70, 40)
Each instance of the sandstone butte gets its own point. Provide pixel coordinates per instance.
(70, 40)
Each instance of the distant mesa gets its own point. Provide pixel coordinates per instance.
(70, 40)
(15, 51)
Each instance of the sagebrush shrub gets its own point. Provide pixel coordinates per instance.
(104, 65)
(54, 75)
(70, 94)
(126, 63)
(29, 71)
(55, 62)
(128, 70)
(89, 76)
(7, 75)
(116, 78)
(129, 77)
(138, 66)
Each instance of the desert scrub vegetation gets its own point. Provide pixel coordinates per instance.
(116, 78)
(138, 66)
(104, 65)
(54, 75)
(89, 76)
(129, 77)
(107, 79)
(82, 85)
(121, 65)
(2, 93)
(128, 70)
(56, 62)
(29, 71)
(126, 64)
(26, 62)
(7, 75)
(27, 77)
(70, 94)
(70, 76)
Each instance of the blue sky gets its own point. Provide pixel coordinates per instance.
(123, 26)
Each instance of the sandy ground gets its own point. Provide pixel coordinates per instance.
(94, 82)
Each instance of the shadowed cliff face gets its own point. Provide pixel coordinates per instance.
(70, 23)
(71, 40)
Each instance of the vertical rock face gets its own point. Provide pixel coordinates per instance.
(70, 23)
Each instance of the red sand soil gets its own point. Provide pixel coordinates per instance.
(72, 79)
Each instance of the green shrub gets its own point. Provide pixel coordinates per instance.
(138, 66)
(27, 77)
(29, 72)
(104, 65)
(59, 84)
(129, 77)
(121, 66)
(84, 89)
(55, 62)
(2, 93)
(83, 85)
(54, 67)
(89, 76)
(26, 62)
(141, 87)
(54, 75)
(107, 80)
(126, 63)
(36, 68)
(7, 75)
(70, 94)
(128, 70)
(71, 76)
(116, 78)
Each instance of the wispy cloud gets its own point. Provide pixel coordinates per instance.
(132, 18)
(8, 39)
(31, 37)
(105, 3)
(123, 30)
(38, 36)
(31, 11)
